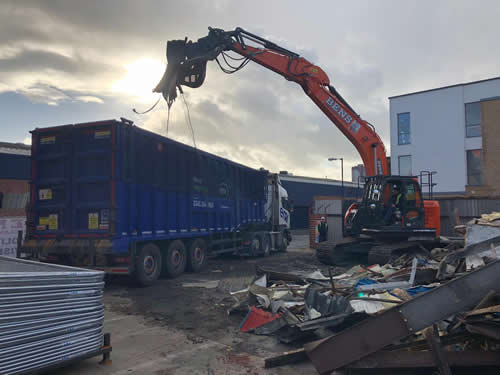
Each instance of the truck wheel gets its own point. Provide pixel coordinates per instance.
(283, 245)
(256, 245)
(197, 255)
(174, 259)
(266, 245)
(148, 265)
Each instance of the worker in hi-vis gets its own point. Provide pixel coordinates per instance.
(323, 230)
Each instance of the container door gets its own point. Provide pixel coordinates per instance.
(93, 180)
(51, 182)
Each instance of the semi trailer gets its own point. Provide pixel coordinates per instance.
(112, 196)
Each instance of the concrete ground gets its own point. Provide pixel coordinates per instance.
(180, 326)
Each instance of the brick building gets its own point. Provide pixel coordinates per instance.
(453, 130)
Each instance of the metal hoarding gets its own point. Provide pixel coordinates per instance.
(48, 314)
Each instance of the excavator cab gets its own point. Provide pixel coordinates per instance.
(392, 206)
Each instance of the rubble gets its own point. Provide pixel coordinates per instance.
(428, 302)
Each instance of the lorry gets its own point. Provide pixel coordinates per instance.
(378, 222)
(111, 196)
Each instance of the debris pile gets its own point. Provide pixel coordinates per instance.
(425, 309)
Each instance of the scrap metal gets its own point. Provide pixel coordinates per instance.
(379, 331)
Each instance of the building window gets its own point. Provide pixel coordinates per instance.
(473, 119)
(405, 165)
(404, 128)
(474, 167)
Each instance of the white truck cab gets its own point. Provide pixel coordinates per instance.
(278, 209)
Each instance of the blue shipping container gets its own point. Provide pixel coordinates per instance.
(116, 181)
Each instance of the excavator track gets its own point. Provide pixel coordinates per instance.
(382, 253)
(324, 253)
(364, 252)
(346, 253)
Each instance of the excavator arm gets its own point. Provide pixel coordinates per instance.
(187, 67)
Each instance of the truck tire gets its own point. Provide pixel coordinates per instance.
(148, 265)
(283, 243)
(174, 259)
(266, 245)
(197, 255)
(256, 245)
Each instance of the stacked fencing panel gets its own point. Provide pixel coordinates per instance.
(48, 314)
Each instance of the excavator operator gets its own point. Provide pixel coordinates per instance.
(393, 204)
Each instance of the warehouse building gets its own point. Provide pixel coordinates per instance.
(301, 191)
(15, 171)
(452, 130)
(15, 167)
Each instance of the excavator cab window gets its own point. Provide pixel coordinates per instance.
(373, 192)
(386, 195)
(391, 190)
(411, 196)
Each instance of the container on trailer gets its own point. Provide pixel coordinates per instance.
(100, 190)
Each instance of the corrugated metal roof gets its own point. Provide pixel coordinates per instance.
(15, 148)
(315, 180)
(15, 200)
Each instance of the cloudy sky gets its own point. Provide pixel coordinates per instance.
(69, 61)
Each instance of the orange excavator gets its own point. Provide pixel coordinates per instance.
(392, 214)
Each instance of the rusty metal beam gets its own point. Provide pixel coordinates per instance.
(375, 333)
(412, 359)
(440, 356)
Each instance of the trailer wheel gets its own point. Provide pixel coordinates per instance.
(283, 245)
(174, 259)
(148, 265)
(197, 255)
(266, 245)
(256, 245)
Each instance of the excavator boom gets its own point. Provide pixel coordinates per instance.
(187, 67)
(373, 216)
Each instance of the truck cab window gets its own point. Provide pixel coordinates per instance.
(285, 203)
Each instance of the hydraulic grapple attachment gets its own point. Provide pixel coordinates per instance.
(187, 62)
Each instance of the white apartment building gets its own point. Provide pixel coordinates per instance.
(453, 130)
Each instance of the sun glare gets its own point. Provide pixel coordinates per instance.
(142, 76)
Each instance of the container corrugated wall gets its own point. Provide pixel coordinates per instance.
(183, 191)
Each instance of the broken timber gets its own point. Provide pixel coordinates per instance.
(377, 332)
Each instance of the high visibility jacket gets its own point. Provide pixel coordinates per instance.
(398, 198)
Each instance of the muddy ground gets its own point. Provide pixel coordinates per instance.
(180, 326)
